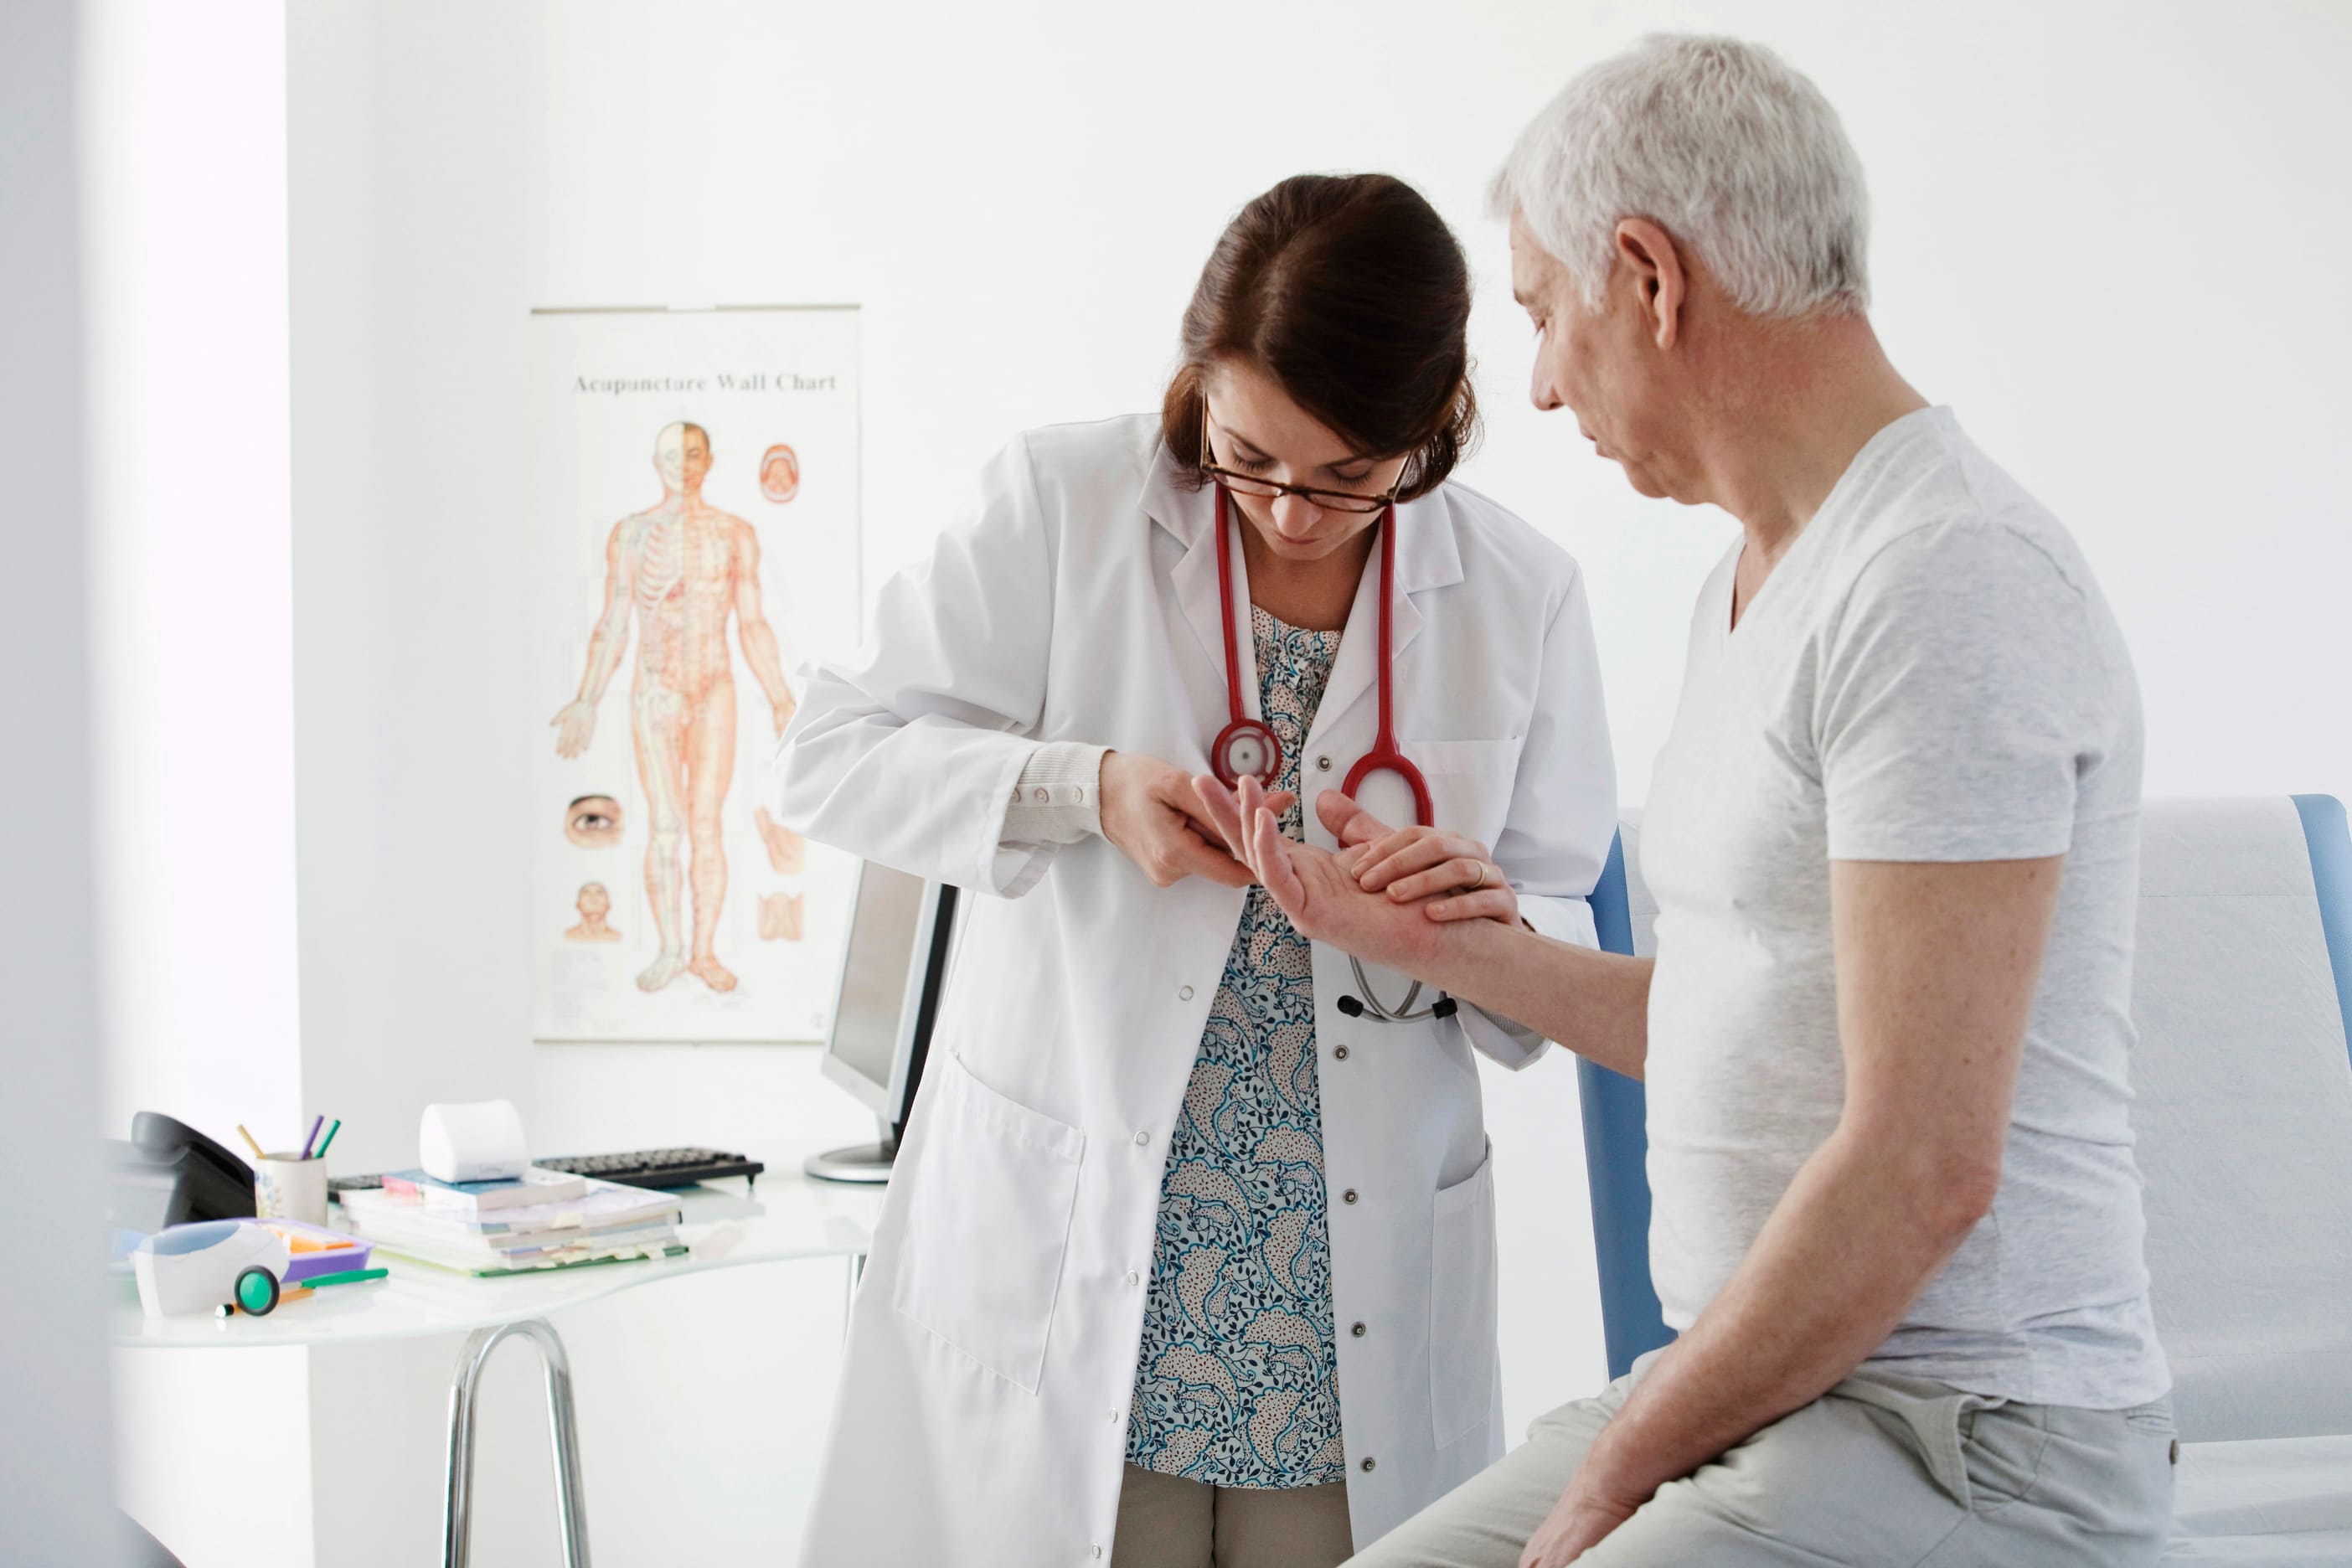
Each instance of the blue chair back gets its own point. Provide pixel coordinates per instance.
(1616, 1150)
(2325, 829)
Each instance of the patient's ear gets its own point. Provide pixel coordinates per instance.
(1653, 268)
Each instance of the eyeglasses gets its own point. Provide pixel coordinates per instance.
(1264, 489)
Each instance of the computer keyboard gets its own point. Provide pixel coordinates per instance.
(657, 1167)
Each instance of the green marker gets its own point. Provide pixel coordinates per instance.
(347, 1277)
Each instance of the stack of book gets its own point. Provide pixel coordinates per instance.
(542, 1219)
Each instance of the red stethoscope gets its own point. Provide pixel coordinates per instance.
(1246, 748)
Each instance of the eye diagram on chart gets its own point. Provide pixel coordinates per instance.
(594, 822)
(696, 502)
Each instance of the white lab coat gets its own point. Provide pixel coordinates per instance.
(981, 1416)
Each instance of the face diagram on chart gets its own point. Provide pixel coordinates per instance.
(681, 570)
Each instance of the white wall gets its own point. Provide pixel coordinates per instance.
(183, 184)
(2094, 227)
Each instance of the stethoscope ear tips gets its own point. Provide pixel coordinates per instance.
(1444, 1007)
(1350, 1006)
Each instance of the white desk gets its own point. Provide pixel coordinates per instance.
(785, 1217)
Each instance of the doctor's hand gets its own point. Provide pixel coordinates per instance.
(1322, 898)
(1450, 878)
(1151, 813)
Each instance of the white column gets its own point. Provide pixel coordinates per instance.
(191, 541)
(53, 1442)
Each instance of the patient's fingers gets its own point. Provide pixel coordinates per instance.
(1221, 812)
(1346, 821)
(1270, 855)
(1249, 796)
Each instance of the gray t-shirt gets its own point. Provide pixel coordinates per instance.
(1930, 674)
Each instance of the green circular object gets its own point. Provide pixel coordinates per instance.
(256, 1291)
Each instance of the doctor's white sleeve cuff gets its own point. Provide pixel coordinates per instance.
(1006, 869)
(1510, 1043)
(1058, 797)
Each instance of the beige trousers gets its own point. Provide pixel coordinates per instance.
(1880, 1472)
(1167, 1522)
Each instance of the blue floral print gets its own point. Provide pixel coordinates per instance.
(1236, 1385)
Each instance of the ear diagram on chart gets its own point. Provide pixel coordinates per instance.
(779, 473)
(681, 570)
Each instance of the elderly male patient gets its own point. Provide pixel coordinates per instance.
(1894, 839)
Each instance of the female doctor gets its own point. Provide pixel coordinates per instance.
(1189, 1256)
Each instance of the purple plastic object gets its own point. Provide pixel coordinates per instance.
(351, 1254)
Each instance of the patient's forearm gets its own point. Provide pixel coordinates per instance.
(1857, 1233)
(1595, 1003)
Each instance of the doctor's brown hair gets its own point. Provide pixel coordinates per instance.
(1353, 294)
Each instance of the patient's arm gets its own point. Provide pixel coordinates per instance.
(1936, 971)
(1595, 1003)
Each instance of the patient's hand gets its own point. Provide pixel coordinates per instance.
(1314, 886)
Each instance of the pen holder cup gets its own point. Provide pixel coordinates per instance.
(287, 1186)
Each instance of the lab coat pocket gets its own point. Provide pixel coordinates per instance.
(988, 1222)
(1470, 784)
(1462, 1304)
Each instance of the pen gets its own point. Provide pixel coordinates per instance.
(347, 1277)
(249, 1142)
(321, 1122)
(338, 1127)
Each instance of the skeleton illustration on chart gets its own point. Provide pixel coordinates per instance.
(681, 569)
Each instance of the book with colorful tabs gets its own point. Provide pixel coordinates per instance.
(603, 1222)
(535, 1185)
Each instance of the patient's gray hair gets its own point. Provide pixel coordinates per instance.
(1720, 144)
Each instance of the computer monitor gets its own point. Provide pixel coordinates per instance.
(893, 970)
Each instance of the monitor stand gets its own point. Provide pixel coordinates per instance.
(858, 1162)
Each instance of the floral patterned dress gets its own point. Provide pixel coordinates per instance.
(1237, 1382)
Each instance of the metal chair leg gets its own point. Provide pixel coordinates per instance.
(457, 1511)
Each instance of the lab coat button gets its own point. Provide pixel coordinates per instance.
(1323, 764)
(1349, 1197)
(1141, 1139)
(1357, 1331)
(1133, 1277)
(1098, 1548)
(1040, 797)
(1184, 993)
(1369, 1461)
(1340, 1052)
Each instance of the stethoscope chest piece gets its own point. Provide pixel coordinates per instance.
(1245, 749)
